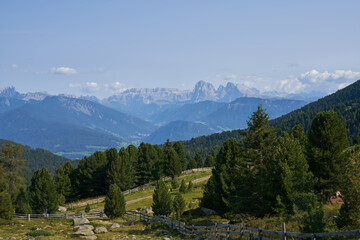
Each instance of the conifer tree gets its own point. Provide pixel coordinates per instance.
(6, 207)
(220, 189)
(181, 154)
(258, 144)
(87, 208)
(210, 161)
(173, 163)
(326, 156)
(289, 182)
(22, 204)
(350, 184)
(63, 184)
(43, 194)
(147, 158)
(179, 205)
(199, 161)
(114, 202)
(120, 171)
(191, 164)
(190, 186)
(174, 183)
(13, 167)
(162, 202)
(183, 187)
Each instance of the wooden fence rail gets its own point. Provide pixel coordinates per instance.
(229, 231)
(61, 216)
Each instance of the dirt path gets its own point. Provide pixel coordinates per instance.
(150, 196)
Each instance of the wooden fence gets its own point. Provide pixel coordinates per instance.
(230, 231)
(100, 199)
(91, 215)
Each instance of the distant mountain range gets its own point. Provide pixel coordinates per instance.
(74, 127)
(345, 102)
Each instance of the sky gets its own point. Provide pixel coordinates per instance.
(99, 48)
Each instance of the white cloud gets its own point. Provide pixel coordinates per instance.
(14, 66)
(63, 70)
(94, 87)
(314, 80)
(74, 85)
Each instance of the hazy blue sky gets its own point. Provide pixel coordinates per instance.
(99, 47)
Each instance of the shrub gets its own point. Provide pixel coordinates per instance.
(37, 233)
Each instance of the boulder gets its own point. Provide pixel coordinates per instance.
(88, 237)
(149, 210)
(84, 232)
(82, 227)
(80, 221)
(62, 209)
(115, 225)
(100, 230)
(208, 211)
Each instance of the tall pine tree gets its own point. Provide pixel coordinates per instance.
(43, 194)
(326, 156)
(114, 202)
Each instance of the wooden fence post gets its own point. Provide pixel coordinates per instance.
(358, 234)
(82, 215)
(192, 230)
(314, 237)
(259, 232)
(284, 231)
(215, 230)
(65, 216)
(179, 225)
(205, 232)
(228, 232)
(28, 217)
(101, 214)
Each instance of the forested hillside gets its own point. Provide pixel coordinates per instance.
(345, 102)
(39, 158)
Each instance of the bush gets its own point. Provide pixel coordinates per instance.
(87, 208)
(37, 233)
(182, 188)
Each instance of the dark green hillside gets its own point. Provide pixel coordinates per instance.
(39, 158)
(206, 145)
(345, 102)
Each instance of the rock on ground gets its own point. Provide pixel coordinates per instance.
(115, 225)
(100, 230)
(62, 209)
(208, 211)
(80, 221)
(88, 237)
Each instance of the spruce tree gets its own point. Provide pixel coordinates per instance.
(43, 194)
(162, 202)
(87, 208)
(22, 204)
(199, 161)
(6, 207)
(190, 186)
(114, 202)
(14, 167)
(174, 183)
(63, 184)
(289, 182)
(350, 184)
(179, 205)
(173, 163)
(220, 189)
(183, 187)
(181, 154)
(147, 158)
(326, 157)
(191, 164)
(210, 161)
(258, 144)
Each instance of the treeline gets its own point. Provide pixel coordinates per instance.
(270, 175)
(209, 145)
(127, 168)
